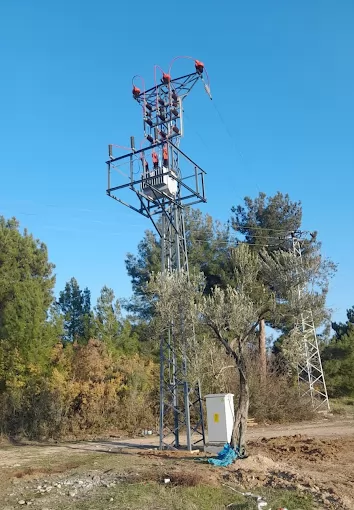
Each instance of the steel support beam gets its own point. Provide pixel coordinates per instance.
(181, 410)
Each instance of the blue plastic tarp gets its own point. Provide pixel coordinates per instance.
(225, 457)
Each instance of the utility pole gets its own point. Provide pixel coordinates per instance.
(164, 181)
(310, 371)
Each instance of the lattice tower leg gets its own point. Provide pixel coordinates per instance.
(179, 404)
(311, 378)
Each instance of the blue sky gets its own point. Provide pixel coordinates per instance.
(282, 78)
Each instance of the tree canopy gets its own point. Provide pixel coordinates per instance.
(75, 306)
(26, 292)
(207, 245)
(68, 365)
(232, 314)
(265, 221)
(338, 358)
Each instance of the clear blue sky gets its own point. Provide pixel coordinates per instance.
(282, 77)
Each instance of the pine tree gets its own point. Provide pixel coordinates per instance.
(26, 293)
(75, 306)
(207, 246)
(265, 223)
(111, 328)
(338, 358)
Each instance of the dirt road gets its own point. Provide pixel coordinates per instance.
(315, 458)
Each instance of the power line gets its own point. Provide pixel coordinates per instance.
(232, 138)
(210, 231)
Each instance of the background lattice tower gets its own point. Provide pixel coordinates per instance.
(310, 371)
(163, 192)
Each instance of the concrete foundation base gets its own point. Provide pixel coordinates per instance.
(213, 448)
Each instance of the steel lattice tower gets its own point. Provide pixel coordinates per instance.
(310, 372)
(162, 192)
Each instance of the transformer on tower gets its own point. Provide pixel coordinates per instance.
(165, 181)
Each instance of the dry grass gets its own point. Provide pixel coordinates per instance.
(50, 470)
(193, 485)
(189, 478)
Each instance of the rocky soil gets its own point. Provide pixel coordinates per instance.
(51, 477)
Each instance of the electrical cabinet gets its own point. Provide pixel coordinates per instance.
(220, 417)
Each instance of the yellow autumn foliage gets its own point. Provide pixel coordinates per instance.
(88, 391)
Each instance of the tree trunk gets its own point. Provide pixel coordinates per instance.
(240, 424)
(262, 350)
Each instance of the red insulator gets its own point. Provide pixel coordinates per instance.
(166, 78)
(199, 66)
(165, 154)
(136, 92)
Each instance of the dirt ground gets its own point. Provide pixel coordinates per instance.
(316, 458)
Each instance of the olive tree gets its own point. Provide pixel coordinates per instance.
(176, 298)
(231, 316)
